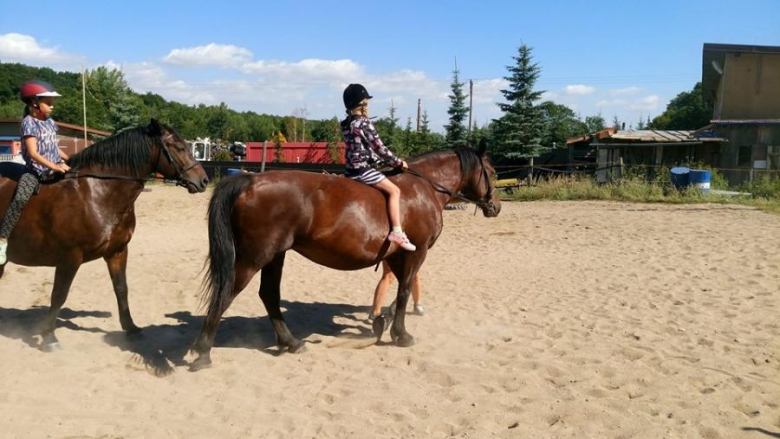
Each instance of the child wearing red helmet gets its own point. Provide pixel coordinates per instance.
(363, 149)
(40, 152)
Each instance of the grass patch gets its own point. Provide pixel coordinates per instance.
(766, 194)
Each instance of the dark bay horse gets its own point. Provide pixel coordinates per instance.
(89, 213)
(254, 219)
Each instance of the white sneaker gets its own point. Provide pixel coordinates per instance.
(419, 310)
(402, 240)
(3, 248)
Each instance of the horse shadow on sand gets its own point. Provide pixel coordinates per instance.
(161, 348)
(26, 324)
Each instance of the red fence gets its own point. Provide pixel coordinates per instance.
(294, 152)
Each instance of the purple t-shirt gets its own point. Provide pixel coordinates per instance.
(45, 132)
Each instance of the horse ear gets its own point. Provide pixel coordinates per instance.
(154, 127)
(482, 147)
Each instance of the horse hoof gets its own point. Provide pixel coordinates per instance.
(132, 330)
(51, 347)
(200, 363)
(404, 341)
(297, 347)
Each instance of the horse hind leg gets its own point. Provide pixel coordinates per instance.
(63, 279)
(270, 293)
(117, 266)
(244, 273)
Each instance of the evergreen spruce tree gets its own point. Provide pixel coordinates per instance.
(519, 131)
(456, 133)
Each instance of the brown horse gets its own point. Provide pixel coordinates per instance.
(333, 221)
(89, 213)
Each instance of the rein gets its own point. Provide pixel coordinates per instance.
(483, 203)
(162, 148)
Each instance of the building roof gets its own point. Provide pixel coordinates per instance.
(713, 62)
(639, 137)
(66, 126)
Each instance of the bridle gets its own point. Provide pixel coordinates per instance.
(178, 168)
(484, 203)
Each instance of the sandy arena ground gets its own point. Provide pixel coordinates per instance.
(554, 320)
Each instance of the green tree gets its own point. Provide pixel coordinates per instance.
(595, 123)
(560, 123)
(687, 111)
(117, 107)
(616, 124)
(387, 127)
(456, 132)
(217, 122)
(519, 131)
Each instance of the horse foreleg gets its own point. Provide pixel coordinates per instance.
(205, 341)
(270, 294)
(405, 270)
(117, 266)
(63, 279)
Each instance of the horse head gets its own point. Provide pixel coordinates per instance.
(478, 183)
(174, 159)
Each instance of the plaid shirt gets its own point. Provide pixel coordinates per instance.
(363, 145)
(45, 132)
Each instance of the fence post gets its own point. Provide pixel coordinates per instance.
(620, 177)
(531, 172)
(265, 147)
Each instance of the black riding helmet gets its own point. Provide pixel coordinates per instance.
(354, 95)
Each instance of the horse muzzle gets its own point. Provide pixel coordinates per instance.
(490, 209)
(195, 187)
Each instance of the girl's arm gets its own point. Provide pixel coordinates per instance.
(32, 150)
(372, 137)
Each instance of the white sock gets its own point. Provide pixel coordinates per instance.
(397, 229)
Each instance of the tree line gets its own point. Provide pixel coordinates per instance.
(527, 127)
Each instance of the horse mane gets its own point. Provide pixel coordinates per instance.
(126, 152)
(468, 158)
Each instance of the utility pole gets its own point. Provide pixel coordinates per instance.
(419, 107)
(471, 104)
(84, 102)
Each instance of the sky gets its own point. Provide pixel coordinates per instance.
(624, 59)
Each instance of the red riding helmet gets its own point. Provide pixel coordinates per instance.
(36, 89)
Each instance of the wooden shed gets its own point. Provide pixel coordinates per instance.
(743, 84)
(71, 138)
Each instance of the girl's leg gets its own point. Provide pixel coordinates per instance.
(381, 289)
(393, 201)
(394, 211)
(416, 290)
(27, 185)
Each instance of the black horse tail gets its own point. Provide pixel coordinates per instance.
(221, 274)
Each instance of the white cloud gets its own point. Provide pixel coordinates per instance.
(311, 70)
(26, 49)
(219, 55)
(626, 91)
(578, 90)
(647, 103)
(147, 77)
(488, 91)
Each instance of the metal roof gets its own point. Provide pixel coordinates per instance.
(647, 137)
(655, 136)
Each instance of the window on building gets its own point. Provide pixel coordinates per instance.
(745, 155)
